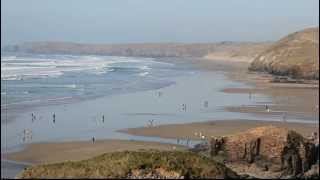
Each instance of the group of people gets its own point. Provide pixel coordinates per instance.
(26, 133)
(151, 122)
(205, 104)
(284, 114)
(184, 107)
(33, 117)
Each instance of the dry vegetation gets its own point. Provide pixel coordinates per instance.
(135, 164)
(296, 55)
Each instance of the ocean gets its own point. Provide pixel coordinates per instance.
(31, 79)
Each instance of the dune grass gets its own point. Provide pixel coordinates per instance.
(124, 164)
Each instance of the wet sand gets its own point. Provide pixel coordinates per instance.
(9, 169)
(296, 99)
(215, 128)
(301, 98)
(79, 150)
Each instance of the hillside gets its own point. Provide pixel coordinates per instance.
(244, 52)
(222, 49)
(135, 164)
(296, 55)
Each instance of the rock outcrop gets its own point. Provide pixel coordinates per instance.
(296, 56)
(268, 146)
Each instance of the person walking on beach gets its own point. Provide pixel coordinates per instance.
(151, 123)
(54, 118)
(206, 104)
(184, 107)
(103, 118)
(284, 117)
(93, 139)
(267, 108)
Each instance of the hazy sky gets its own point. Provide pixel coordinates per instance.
(125, 21)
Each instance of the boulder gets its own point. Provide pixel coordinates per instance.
(313, 173)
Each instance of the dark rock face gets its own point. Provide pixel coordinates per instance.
(298, 157)
(216, 145)
(313, 173)
(273, 146)
(252, 150)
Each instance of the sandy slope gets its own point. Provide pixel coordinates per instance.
(80, 150)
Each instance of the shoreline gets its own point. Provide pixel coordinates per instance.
(137, 107)
(182, 130)
(17, 108)
(297, 100)
(214, 128)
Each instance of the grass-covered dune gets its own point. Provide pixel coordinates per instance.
(296, 55)
(134, 164)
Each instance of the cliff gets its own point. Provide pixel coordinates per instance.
(296, 56)
(273, 149)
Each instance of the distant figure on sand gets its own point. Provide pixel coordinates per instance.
(54, 118)
(103, 118)
(206, 104)
(184, 107)
(151, 123)
(284, 117)
(267, 108)
(93, 139)
(27, 135)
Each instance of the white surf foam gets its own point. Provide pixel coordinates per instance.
(143, 73)
(145, 68)
(41, 66)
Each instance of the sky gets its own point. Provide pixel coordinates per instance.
(139, 21)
